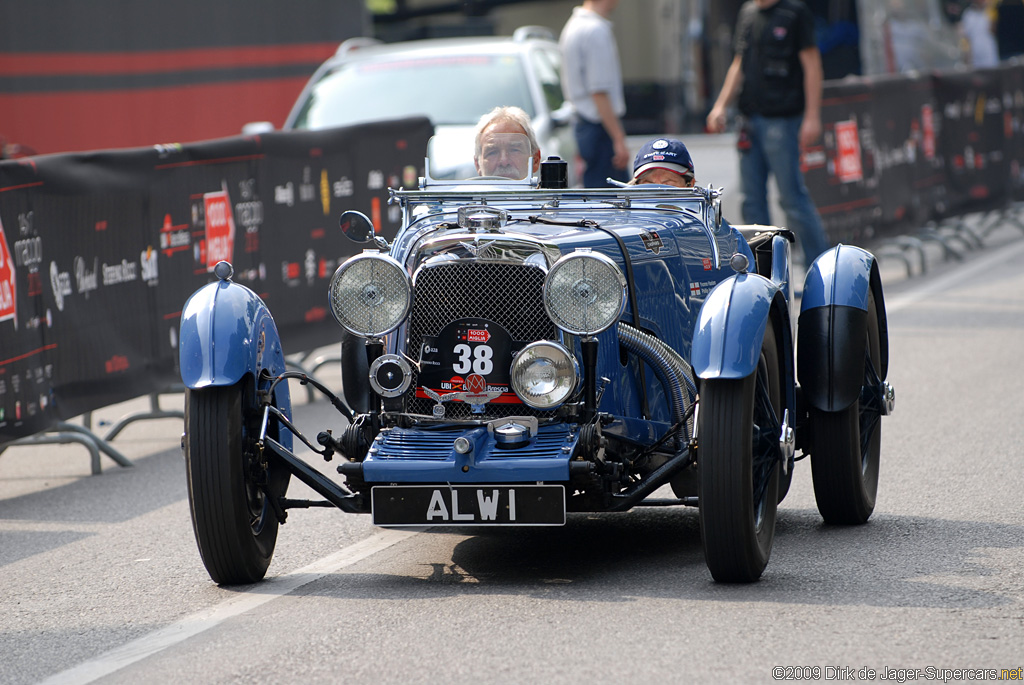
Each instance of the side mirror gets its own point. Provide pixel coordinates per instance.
(562, 116)
(257, 128)
(356, 226)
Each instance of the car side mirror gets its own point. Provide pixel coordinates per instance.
(257, 128)
(562, 116)
(358, 228)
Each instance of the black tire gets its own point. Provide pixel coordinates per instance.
(845, 445)
(234, 524)
(738, 462)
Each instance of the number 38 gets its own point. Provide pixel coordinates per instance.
(476, 359)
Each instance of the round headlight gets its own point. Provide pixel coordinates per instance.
(370, 294)
(544, 374)
(584, 293)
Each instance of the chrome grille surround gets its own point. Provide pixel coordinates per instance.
(507, 293)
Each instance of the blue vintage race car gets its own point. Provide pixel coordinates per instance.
(523, 351)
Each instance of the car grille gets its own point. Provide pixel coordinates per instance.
(507, 294)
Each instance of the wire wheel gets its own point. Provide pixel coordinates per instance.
(738, 462)
(234, 522)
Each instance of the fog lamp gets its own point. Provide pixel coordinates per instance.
(544, 374)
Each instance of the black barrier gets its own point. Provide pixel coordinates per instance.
(841, 173)
(898, 151)
(99, 251)
(1013, 127)
(907, 130)
(973, 143)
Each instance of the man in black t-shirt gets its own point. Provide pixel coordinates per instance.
(778, 76)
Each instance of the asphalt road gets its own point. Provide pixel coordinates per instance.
(100, 578)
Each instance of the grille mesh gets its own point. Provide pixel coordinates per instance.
(507, 294)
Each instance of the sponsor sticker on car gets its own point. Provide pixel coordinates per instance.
(468, 361)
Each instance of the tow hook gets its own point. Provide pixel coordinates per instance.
(787, 443)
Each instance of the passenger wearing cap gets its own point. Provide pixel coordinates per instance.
(665, 161)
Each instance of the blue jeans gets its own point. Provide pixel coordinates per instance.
(775, 149)
(596, 149)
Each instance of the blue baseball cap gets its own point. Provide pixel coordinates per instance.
(663, 153)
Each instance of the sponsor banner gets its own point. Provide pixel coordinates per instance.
(972, 144)
(26, 371)
(847, 161)
(840, 170)
(1013, 128)
(905, 138)
(897, 151)
(99, 251)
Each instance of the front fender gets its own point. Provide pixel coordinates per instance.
(227, 332)
(731, 324)
(833, 324)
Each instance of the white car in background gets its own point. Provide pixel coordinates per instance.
(453, 81)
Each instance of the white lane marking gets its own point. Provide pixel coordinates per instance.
(954, 277)
(204, 620)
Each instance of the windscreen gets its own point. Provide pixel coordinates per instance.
(447, 89)
(498, 157)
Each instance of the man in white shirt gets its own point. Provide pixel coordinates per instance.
(592, 81)
(976, 26)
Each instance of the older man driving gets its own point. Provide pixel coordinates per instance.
(505, 144)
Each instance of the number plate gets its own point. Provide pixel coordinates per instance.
(468, 505)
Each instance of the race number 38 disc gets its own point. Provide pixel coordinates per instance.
(469, 355)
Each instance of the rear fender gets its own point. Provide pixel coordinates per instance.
(228, 332)
(832, 326)
(731, 326)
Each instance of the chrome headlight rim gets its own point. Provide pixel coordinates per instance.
(604, 261)
(405, 301)
(568, 359)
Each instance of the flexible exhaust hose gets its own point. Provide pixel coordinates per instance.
(671, 369)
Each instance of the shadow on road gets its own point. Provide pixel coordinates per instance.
(893, 561)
